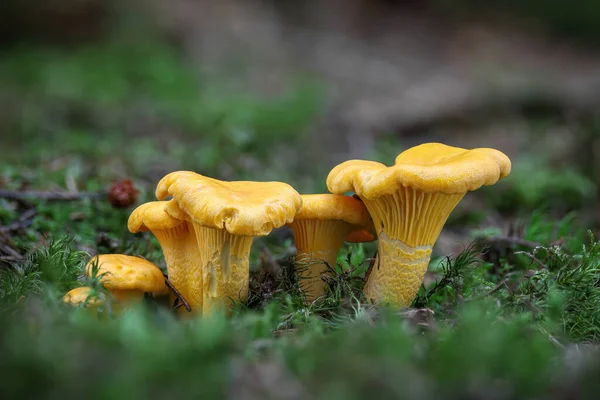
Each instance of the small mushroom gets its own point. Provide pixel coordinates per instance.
(410, 203)
(82, 296)
(127, 278)
(362, 235)
(180, 249)
(226, 217)
(320, 229)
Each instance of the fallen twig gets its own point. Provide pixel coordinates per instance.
(551, 338)
(7, 252)
(533, 258)
(372, 262)
(490, 292)
(50, 196)
(498, 287)
(179, 297)
(22, 222)
(11, 258)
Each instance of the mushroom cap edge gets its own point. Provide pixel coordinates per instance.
(431, 167)
(244, 208)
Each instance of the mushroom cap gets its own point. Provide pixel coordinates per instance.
(152, 216)
(122, 272)
(80, 295)
(240, 207)
(334, 207)
(430, 167)
(173, 209)
(360, 236)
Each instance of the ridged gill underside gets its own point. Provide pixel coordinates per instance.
(397, 273)
(317, 243)
(180, 249)
(408, 223)
(225, 267)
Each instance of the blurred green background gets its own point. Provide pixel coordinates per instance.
(261, 90)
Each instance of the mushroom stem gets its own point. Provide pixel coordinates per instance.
(126, 296)
(225, 266)
(317, 244)
(408, 223)
(180, 249)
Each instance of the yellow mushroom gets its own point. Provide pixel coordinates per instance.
(81, 296)
(226, 217)
(410, 203)
(180, 249)
(326, 220)
(127, 278)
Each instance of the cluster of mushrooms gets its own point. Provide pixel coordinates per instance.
(206, 227)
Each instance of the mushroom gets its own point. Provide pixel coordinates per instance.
(326, 220)
(362, 235)
(226, 217)
(178, 242)
(83, 296)
(410, 203)
(127, 278)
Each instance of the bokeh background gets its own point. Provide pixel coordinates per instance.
(267, 90)
(96, 91)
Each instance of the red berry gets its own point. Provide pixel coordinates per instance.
(122, 194)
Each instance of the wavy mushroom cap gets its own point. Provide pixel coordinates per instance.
(338, 207)
(334, 207)
(152, 216)
(122, 272)
(80, 295)
(173, 209)
(430, 167)
(241, 207)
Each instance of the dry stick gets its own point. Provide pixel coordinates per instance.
(49, 196)
(495, 289)
(23, 222)
(533, 258)
(551, 338)
(10, 254)
(372, 262)
(11, 258)
(178, 295)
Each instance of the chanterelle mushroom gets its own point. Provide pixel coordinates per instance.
(81, 296)
(127, 278)
(326, 220)
(178, 242)
(410, 203)
(226, 217)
